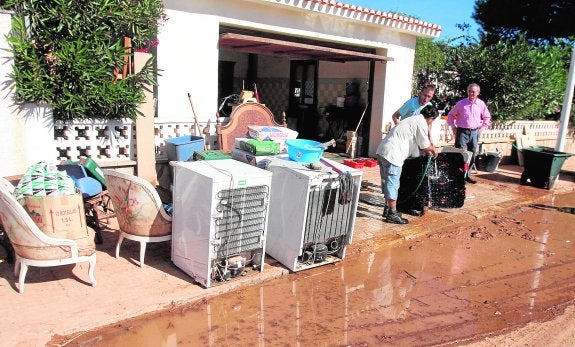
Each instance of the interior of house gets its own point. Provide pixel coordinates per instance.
(323, 91)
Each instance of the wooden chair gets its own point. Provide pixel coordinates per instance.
(249, 113)
(98, 208)
(32, 247)
(139, 210)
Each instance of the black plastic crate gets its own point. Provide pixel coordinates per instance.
(447, 182)
(438, 182)
(413, 194)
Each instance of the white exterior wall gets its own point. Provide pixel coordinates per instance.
(188, 53)
(392, 88)
(188, 57)
(188, 63)
(328, 69)
(27, 135)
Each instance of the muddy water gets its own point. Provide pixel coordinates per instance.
(452, 287)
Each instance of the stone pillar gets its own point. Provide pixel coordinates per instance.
(145, 146)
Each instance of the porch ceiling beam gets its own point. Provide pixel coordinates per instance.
(262, 45)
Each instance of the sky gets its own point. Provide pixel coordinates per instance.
(446, 13)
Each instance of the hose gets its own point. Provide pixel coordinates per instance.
(423, 175)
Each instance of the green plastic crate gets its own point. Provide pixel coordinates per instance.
(93, 169)
(211, 154)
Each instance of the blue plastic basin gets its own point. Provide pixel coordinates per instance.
(304, 151)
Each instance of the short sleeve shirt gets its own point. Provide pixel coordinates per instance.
(406, 137)
(411, 107)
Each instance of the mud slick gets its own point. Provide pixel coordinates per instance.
(457, 285)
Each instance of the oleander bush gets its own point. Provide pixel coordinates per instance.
(71, 54)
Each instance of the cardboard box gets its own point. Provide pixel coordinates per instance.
(58, 216)
(243, 144)
(256, 160)
(240, 143)
(274, 133)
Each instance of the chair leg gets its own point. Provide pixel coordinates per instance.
(22, 276)
(120, 239)
(92, 262)
(17, 264)
(142, 252)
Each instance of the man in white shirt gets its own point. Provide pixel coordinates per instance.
(409, 136)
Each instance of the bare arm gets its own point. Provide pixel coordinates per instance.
(431, 149)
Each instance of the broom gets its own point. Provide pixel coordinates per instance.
(198, 131)
(356, 128)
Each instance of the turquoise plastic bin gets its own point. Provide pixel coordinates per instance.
(182, 148)
(304, 151)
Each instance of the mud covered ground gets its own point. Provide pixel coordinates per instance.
(507, 279)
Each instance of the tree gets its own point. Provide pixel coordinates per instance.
(67, 53)
(429, 62)
(541, 21)
(518, 81)
(521, 62)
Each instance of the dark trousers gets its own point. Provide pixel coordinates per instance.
(467, 139)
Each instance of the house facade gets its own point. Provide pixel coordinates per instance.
(328, 66)
(301, 56)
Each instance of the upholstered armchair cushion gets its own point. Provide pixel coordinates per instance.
(32, 249)
(138, 209)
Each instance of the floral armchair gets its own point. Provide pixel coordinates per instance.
(32, 247)
(139, 210)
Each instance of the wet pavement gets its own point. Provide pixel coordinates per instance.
(453, 275)
(453, 286)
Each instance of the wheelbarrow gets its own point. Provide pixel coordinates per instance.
(542, 166)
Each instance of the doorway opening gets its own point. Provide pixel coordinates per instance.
(302, 114)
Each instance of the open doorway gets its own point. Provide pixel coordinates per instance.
(302, 113)
(306, 79)
(225, 86)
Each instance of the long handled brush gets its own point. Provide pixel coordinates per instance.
(356, 128)
(198, 131)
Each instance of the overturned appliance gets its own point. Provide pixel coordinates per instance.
(312, 212)
(438, 182)
(220, 219)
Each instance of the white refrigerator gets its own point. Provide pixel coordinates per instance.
(220, 219)
(312, 212)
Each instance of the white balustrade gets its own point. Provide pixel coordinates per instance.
(114, 141)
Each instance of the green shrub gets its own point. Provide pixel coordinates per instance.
(67, 51)
(518, 81)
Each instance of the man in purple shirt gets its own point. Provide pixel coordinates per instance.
(467, 119)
